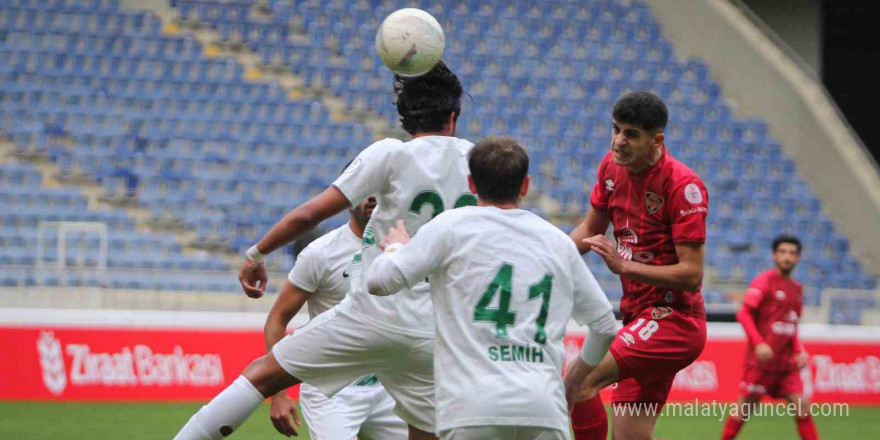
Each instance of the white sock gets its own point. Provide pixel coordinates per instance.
(221, 416)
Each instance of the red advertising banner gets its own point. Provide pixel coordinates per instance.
(117, 364)
(840, 371)
(80, 364)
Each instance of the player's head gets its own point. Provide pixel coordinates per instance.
(637, 129)
(429, 103)
(786, 252)
(499, 169)
(363, 211)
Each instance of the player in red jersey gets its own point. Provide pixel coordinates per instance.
(658, 208)
(775, 355)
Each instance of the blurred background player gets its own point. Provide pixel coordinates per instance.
(658, 207)
(392, 337)
(321, 278)
(499, 368)
(775, 355)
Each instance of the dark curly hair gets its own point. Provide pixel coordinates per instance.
(642, 109)
(424, 102)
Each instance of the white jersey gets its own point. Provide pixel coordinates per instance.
(504, 284)
(322, 268)
(413, 181)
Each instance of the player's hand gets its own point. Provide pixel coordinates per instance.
(282, 408)
(601, 245)
(253, 278)
(397, 234)
(802, 361)
(763, 352)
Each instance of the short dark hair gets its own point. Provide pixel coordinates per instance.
(424, 102)
(786, 238)
(498, 167)
(642, 109)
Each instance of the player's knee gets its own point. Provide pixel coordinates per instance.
(267, 376)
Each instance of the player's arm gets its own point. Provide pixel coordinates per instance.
(366, 175)
(253, 276)
(408, 261)
(596, 223)
(597, 220)
(687, 274)
(305, 278)
(287, 305)
(746, 317)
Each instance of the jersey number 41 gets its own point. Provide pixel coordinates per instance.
(502, 316)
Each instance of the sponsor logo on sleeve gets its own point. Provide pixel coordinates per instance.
(609, 185)
(692, 194)
(694, 210)
(653, 202)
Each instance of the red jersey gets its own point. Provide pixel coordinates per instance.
(774, 303)
(651, 212)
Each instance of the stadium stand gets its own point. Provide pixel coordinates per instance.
(106, 94)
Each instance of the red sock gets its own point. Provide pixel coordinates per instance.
(807, 428)
(731, 428)
(589, 420)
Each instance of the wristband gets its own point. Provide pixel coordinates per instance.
(393, 247)
(255, 255)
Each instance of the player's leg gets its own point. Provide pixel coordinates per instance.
(330, 353)
(736, 419)
(589, 421)
(381, 422)
(410, 382)
(805, 425)
(792, 387)
(226, 412)
(649, 352)
(333, 418)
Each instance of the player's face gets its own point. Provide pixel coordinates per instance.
(364, 211)
(786, 256)
(631, 146)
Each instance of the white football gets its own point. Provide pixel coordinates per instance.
(410, 42)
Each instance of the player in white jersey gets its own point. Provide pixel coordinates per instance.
(504, 283)
(391, 337)
(321, 277)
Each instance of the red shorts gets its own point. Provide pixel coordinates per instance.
(651, 349)
(759, 383)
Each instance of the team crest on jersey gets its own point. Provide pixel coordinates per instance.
(653, 202)
(780, 295)
(661, 312)
(628, 338)
(609, 185)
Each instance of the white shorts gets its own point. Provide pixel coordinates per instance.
(365, 412)
(503, 432)
(335, 348)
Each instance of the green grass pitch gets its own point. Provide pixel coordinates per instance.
(133, 421)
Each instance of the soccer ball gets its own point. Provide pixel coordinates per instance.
(410, 42)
